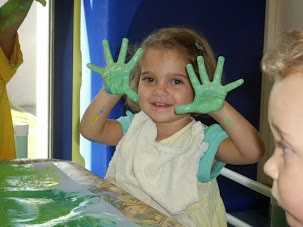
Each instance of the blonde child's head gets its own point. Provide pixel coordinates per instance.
(285, 115)
(286, 57)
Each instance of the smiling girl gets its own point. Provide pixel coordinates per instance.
(164, 156)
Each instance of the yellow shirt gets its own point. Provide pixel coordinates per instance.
(8, 68)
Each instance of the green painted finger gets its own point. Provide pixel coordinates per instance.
(116, 74)
(183, 109)
(233, 85)
(132, 63)
(43, 2)
(123, 51)
(202, 70)
(107, 53)
(132, 94)
(192, 76)
(219, 70)
(96, 69)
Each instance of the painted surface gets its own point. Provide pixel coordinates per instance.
(41, 195)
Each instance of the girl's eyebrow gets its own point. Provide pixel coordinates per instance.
(145, 72)
(171, 74)
(279, 130)
(181, 75)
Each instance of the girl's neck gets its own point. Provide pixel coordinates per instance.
(165, 130)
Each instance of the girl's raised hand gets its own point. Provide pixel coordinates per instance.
(209, 96)
(116, 74)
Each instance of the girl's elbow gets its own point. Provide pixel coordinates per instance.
(84, 132)
(259, 152)
(261, 149)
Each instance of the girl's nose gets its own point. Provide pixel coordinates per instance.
(160, 91)
(271, 166)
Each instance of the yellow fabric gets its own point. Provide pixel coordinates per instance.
(176, 140)
(8, 68)
(210, 210)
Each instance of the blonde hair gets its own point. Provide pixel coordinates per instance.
(286, 57)
(187, 42)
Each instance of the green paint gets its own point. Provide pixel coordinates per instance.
(12, 12)
(28, 197)
(228, 121)
(116, 74)
(47, 208)
(43, 2)
(27, 177)
(12, 7)
(209, 95)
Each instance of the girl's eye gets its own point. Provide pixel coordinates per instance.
(148, 79)
(177, 81)
(286, 149)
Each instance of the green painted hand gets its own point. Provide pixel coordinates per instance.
(116, 74)
(209, 96)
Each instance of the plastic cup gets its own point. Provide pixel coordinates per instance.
(21, 139)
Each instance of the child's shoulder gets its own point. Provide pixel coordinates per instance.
(213, 130)
(125, 121)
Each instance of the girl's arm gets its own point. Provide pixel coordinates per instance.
(95, 125)
(244, 145)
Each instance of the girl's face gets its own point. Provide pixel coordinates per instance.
(285, 166)
(164, 85)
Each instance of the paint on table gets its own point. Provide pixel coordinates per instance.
(40, 194)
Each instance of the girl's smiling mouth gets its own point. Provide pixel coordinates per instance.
(160, 105)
